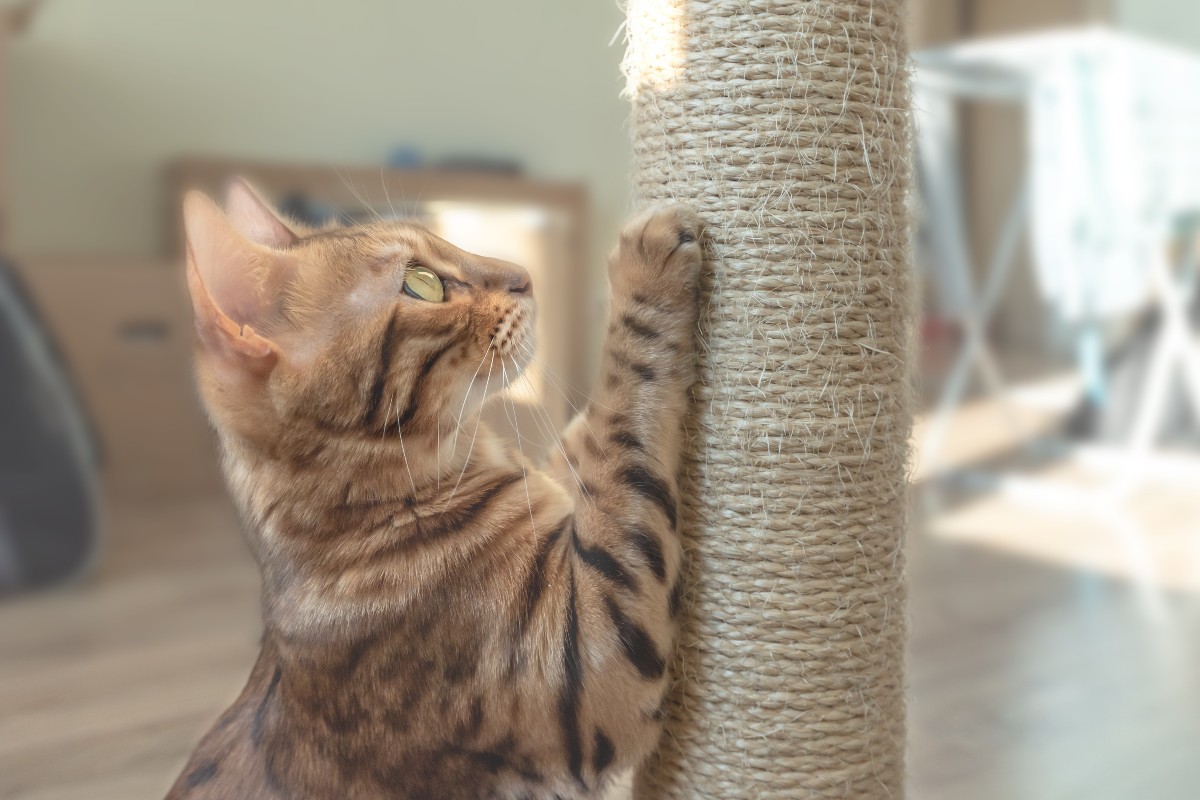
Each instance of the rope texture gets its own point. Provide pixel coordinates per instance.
(786, 124)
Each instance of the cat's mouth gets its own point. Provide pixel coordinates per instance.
(514, 334)
(513, 339)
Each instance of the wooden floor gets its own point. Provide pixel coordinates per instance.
(1034, 681)
(1029, 680)
(106, 686)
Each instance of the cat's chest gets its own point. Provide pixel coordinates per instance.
(397, 721)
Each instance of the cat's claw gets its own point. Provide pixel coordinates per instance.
(661, 245)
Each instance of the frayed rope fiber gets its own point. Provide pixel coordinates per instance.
(786, 124)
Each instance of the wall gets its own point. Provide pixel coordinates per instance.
(1174, 21)
(104, 93)
(932, 23)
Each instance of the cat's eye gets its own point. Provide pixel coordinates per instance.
(423, 284)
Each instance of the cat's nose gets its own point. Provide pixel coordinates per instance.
(521, 285)
(501, 276)
(518, 282)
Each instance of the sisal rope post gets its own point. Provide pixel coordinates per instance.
(786, 124)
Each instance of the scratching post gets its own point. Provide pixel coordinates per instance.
(785, 123)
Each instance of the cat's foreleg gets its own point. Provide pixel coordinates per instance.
(630, 435)
(625, 448)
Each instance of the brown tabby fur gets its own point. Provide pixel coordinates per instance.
(440, 621)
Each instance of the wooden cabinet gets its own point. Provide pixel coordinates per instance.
(125, 329)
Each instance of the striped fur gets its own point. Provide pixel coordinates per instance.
(439, 621)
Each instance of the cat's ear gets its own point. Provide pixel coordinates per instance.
(256, 220)
(235, 282)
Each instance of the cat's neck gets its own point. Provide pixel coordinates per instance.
(299, 505)
(356, 469)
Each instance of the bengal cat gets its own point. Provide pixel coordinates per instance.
(441, 620)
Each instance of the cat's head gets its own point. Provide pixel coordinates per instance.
(353, 331)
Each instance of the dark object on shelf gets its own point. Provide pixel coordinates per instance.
(48, 455)
(303, 209)
(494, 166)
(405, 156)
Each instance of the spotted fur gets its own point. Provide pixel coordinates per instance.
(441, 621)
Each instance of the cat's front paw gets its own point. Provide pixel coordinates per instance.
(660, 252)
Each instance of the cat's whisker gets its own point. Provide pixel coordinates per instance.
(546, 436)
(517, 427)
(577, 411)
(383, 429)
(543, 414)
(386, 195)
(564, 395)
(538, 420)
(403, 450)
(417, 204)
(466, 398)
(474, 437)
(358, 195)
(394, 407)
(559, 380)
(554, 437)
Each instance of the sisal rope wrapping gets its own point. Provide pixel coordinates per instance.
(786, 124)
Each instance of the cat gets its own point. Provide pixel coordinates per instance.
(441, 620)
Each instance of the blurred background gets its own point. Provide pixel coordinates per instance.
(1055, 559)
